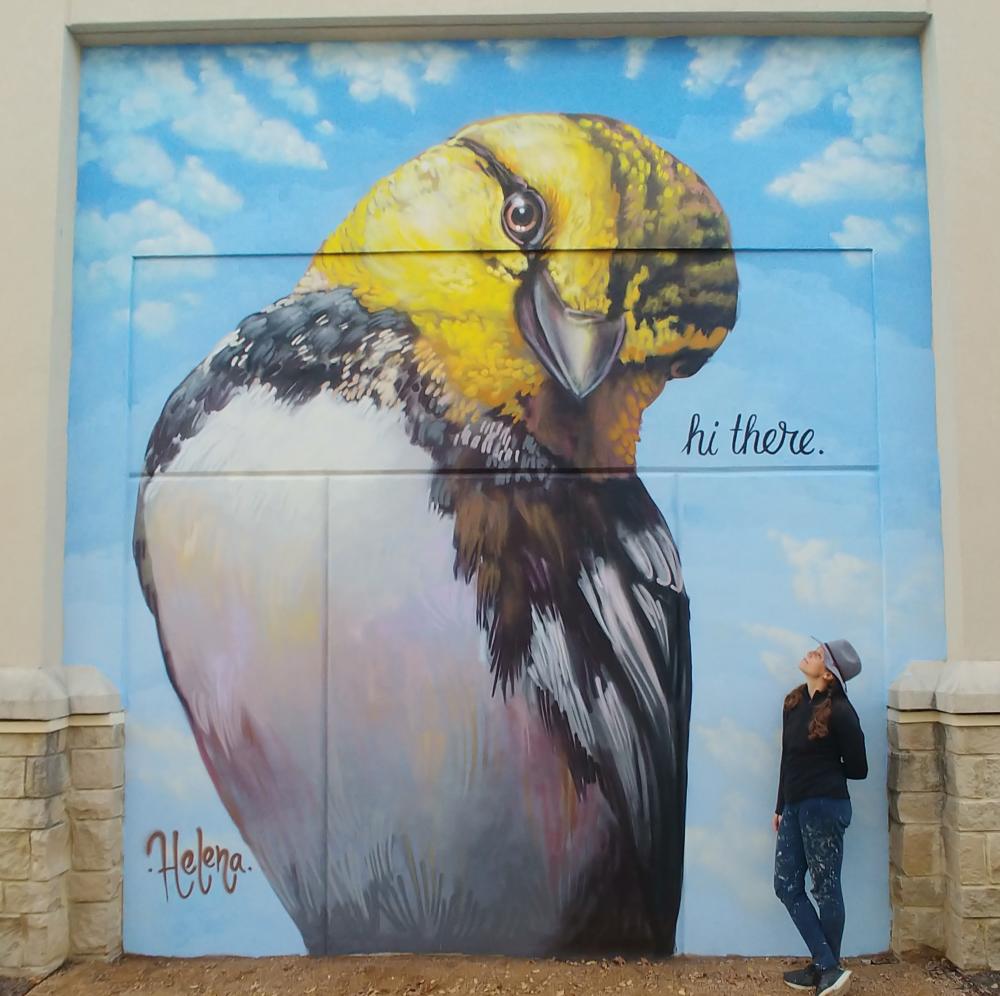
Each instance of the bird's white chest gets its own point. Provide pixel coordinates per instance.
(339, 683)
(256, 434)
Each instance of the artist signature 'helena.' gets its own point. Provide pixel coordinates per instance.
(198, 867)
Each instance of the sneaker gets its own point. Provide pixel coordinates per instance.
(834, 982)
(803, 978)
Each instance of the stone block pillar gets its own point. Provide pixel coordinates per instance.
(944, 812)
(61, 797)
(917, 882)
(96, 805)
(34, 849)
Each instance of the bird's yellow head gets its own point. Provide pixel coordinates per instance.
(559, 270)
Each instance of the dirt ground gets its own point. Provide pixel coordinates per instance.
(445, 975)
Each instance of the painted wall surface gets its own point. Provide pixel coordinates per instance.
(391, 574)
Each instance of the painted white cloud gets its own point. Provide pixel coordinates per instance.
(148, 227)
(325, 127)
(867, 78)
(794, 77)
(636, 52)
(829, 578)
(106, 243)
(885, 110)
(140, 161)
(846, 167)
(165, 757)
(124, 96)
(121, 93)
(135, 160)
(194, 181)
(858, 232)
(516, 51)
(223, 118)
(784, 650)
(87, 148)
(914, 600)
(714, 64)
(154, 318)
(871, 81)
(277, 67)
(738, 850)
(382, 69)
(735, 748)
(440, 62)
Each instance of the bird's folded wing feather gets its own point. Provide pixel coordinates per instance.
(592, 612)
(625, 647)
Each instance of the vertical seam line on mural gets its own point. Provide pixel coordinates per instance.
(681, 934)
(878, 475)
(127, 564)
(884, 628)
(325, 640)
(126, 554)
(680, 940)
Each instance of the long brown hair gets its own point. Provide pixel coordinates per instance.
(819, 725)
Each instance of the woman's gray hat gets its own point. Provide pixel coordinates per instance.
(841, 659)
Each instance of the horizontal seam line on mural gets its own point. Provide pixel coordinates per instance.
(493, 471)
(500, 250)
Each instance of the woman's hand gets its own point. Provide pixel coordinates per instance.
(776, 822)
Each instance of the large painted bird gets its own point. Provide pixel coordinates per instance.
(427, 624)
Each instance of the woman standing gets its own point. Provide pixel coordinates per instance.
(822, 746)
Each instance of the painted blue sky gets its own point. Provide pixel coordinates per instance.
(811, 145)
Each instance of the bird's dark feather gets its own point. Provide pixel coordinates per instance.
(298, 346)
(534, 549)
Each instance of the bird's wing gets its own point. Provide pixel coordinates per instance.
(580, 591)
(635, 592)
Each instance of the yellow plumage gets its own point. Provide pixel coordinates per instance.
(427, 241)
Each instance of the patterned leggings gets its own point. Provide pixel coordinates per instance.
(811, 835)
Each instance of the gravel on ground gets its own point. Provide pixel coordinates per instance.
(451, 975)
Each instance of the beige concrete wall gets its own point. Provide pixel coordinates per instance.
(962, 121)
(38, 101)
(38, 110)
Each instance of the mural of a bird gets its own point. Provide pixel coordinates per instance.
(427, 624)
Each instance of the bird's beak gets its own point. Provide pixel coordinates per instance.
(576, 347)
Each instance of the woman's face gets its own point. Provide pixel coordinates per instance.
(813, 665)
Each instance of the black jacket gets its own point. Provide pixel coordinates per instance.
(811, 768)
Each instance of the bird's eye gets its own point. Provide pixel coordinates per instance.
(523, 216)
